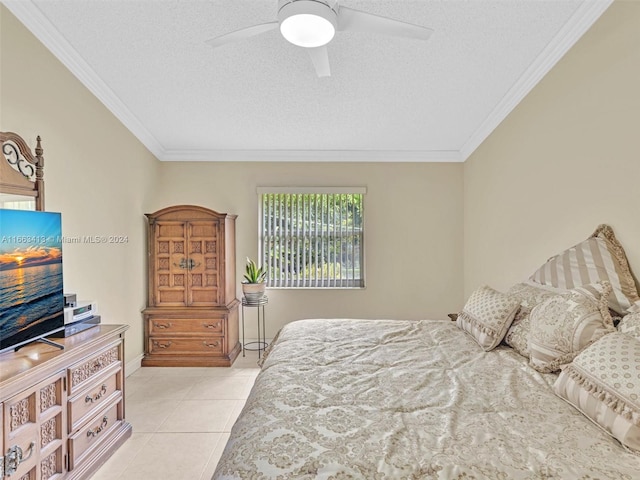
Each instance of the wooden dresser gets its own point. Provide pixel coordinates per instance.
(192, 313)
(63, 410)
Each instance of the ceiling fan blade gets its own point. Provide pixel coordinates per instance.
(349, 19)
(242, 34)
(320, 58)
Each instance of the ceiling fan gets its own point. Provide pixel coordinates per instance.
(311, 24)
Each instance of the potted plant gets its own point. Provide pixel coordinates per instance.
(253, 285)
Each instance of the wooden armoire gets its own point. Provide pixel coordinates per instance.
(192, 313)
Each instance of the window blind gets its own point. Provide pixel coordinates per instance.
(312, 238)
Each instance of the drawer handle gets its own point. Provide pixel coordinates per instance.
(211, 345)
(211, 325)
(161, 345)
(97, 396)
(15, 456)
(98, 430)
(162, 326)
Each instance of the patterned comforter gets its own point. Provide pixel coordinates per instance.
(390, 399)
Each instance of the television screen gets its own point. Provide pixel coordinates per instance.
(31, 295)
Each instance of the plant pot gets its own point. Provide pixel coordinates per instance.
(253, 292)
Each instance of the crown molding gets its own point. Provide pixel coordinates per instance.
(311, 156)
(584, 17)
(40, 26)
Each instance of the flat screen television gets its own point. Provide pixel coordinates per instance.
(31, 294)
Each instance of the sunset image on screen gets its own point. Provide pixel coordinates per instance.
(30, 256)
(30, 272)
(29, 240)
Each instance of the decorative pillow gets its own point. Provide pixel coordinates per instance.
(598, 258)
(565, 324)
(630, 324)
(529, 295)
(603, 382)
(487, 315)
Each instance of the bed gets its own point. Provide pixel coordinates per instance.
(396, 399)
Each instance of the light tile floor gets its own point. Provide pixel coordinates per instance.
(181, 420)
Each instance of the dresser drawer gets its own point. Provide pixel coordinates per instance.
(176, 326)
(91, 434)
(87, 402)
(187, 346)
(81, 374)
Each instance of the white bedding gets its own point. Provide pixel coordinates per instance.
(387, 399)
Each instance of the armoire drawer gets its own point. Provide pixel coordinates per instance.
(191, 326)
(186, 346)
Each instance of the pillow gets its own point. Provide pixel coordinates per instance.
(603, 382)
(564, 324)
(529, 295)
(487, 315)
(598, 258)
(630, 324)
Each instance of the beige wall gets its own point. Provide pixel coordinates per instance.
(96, 172)
(566, 159)
(413, 237)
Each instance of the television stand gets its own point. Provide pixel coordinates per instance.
(62, 411)
(43, 340)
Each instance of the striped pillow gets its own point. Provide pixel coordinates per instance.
(563, 325)
(487, 315)
(603, 382)
(600, 257)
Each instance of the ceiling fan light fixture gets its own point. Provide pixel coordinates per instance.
(307, 23)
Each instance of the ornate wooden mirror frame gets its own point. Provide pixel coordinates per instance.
(21, 172)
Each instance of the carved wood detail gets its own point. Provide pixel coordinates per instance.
(49, 466)
(48, 432)
(19, 413)
(21, 172)
(48, 397)
(93, 366)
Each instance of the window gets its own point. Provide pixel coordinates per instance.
(312, 238)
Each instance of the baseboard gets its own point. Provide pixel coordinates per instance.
(133, 365)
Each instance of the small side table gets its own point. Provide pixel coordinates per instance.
(262, 341)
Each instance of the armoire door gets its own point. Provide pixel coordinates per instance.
(171, 263)
(203, 257)
(187, 263)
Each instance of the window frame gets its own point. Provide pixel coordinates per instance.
(358, 190)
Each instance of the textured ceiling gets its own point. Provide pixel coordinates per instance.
(388, 99)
